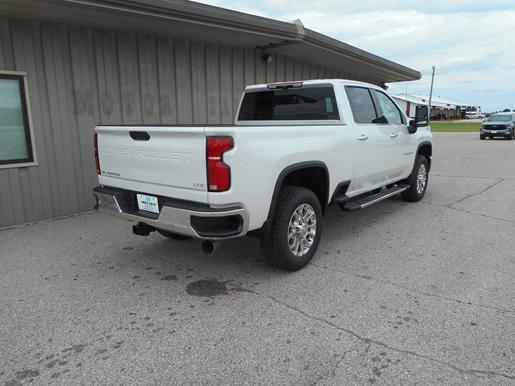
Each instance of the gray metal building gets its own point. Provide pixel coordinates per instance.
(67, 65)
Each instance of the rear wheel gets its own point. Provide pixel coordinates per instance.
(417, 180)
(173, 236)
(295, 231)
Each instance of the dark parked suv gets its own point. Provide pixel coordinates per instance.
(498, 125)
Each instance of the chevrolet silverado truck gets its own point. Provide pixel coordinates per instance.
(295, 149)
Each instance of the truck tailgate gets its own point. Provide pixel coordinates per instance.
(162, 160)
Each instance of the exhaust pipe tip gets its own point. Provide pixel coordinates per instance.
(207, 247)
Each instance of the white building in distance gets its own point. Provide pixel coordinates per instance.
(440, 108)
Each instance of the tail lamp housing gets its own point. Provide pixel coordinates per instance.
(218, 172)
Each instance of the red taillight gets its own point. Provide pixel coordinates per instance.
(218, 173)
(97, 161)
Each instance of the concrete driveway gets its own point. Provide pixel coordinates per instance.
(398, 293)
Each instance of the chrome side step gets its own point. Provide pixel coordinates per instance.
(364, 202)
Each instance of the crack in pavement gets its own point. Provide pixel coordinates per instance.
(45, 221)
(499, 180)
(366, 340)
(452, 205)
(482, 215)
(332, 372)
(468, 212)
(423, 293)
(470, 177)
(473, 372)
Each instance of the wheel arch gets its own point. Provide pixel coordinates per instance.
(313, 175)
(426, 149)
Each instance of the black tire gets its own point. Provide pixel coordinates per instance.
(510, 137)
(416, 192)
(276, 245)
(482, 137)
(173, 236)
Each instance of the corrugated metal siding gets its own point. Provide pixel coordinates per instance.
(79, 77)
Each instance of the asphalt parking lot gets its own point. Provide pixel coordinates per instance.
(398, 293)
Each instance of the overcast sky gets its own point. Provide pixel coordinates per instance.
(471, 43)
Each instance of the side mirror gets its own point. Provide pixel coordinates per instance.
(421, 119)
(412, 127)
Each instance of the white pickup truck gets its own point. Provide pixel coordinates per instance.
(295, 148)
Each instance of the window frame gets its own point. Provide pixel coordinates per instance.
(380, 109)
(372, 98)
(31, 160)
(302, 122)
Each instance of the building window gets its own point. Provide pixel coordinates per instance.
(16, 142)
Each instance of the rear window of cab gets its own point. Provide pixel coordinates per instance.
(317, 102)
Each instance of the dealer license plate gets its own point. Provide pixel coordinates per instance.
(147, 203)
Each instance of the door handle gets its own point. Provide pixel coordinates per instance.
(362, 137)
(394, 135)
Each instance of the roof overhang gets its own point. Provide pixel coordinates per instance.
(191, 20)
(424, 101)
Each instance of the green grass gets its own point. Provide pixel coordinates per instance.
(449, 126)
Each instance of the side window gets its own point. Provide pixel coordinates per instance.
(361, 104)
(15, 134)
(389, 109)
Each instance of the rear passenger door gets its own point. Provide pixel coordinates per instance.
(401, 142)
(374, 147)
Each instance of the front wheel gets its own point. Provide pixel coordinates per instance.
(295, 231)
(417, 180)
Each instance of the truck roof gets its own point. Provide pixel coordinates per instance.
(311, 82)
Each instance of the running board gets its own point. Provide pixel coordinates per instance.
(364, 202)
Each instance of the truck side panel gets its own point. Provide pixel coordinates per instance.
(261, 153)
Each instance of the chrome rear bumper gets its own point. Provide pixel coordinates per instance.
(185, 218)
